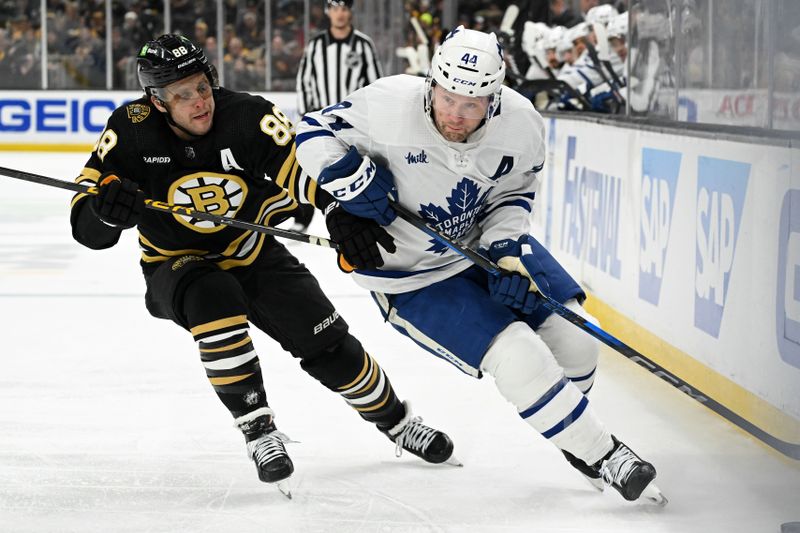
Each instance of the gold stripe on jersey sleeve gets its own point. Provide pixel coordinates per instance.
(219, 324)
(87, 174)
(288, 163)
(228, 347)
(153, 258)
(228, 380)
(293, 187)
(360, 374)
(225, 264)
(234, 245)
(230, 263)
(311, 191)
(169, 253)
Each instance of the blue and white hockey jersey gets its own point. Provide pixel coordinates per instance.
(477, 192)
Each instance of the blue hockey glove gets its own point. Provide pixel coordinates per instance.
(523, 276)
(361, 186)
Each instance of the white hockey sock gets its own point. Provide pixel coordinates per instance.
(574, 350)
(527, 375)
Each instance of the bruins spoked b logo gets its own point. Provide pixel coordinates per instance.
(220, 194)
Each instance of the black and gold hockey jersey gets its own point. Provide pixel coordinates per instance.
(244, 168)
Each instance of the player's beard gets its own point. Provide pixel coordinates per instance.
(452, 136)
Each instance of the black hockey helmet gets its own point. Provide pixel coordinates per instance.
(171, 58)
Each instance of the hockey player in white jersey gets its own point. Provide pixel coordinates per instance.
(463, 151)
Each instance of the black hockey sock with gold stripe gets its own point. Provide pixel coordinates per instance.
(372, 395)
(231, 364)
(352, 373)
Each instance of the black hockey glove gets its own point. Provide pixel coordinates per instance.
(358, 238)
(118, 202)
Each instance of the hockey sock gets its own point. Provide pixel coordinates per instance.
(231, 364)
(574, 351)
(372, 395)
(527, 375)
(353, 374)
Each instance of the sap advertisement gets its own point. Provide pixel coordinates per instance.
(62, 119)
(695, 241)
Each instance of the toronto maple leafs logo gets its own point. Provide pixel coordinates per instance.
(463, 205)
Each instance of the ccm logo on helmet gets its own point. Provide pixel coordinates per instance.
(463, 81)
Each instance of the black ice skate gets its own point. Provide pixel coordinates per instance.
(629, 474)
(591, 474)
(265, 446)
(429, 444)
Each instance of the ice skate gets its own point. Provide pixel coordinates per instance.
(629, 474)
(429, 444)
(591, 474)
(265, 446)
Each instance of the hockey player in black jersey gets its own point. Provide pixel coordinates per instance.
(189, 142)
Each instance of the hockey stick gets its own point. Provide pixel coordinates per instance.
(599, 64)
(787, 448)
(164, 207)
(604, 54)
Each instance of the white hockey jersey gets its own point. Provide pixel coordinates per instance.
(477, 192)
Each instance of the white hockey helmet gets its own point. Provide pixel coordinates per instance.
(618, 27)
(468, 63)
(564, 44)
(601, 14)
(553, 38)
(532, 35)
(577, 32)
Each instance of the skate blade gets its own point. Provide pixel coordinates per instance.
(453, 461)
(596, 484)
(284, 487)
(653, 494)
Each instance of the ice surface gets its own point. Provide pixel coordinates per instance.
(108, 424)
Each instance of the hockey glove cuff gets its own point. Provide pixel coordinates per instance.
(523, 275)
(361, 186)
(358, 239)
(118, 202)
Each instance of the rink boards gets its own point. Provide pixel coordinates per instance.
(73, 120)
(690, 247)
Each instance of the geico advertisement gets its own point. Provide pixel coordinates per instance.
(696, 240)
(75, 117)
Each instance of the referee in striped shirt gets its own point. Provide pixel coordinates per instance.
(335, 63)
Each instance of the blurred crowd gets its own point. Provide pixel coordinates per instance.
(565, 54)
(77, 36)
(553, 52)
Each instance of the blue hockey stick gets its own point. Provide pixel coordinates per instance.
(787, 448)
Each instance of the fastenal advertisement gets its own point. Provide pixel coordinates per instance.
(694, 241)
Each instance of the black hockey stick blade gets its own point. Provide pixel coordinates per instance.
(787, 448)
(164, 207)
